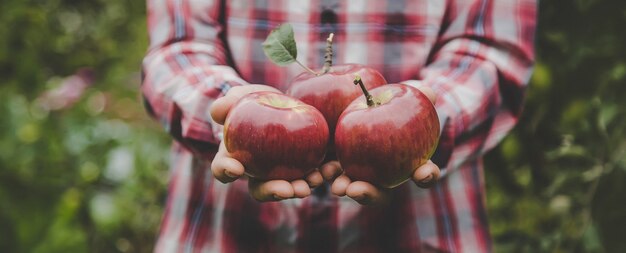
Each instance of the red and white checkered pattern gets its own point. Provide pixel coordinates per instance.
(476, 54)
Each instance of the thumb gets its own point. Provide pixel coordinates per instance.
(220, 107)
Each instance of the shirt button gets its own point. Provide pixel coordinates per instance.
(328, 17)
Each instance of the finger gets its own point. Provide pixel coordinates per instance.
(225, 168)
(340, 185)
(220, 108)
(300, 188)
(273, 190)
(429, 92)
(426, 175)
(365, 193)
(314, 179)
(331, 170)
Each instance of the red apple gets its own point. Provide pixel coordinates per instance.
(331, 93)
(275, 136)
(383, 143)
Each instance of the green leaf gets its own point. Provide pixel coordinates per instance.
(280, 45)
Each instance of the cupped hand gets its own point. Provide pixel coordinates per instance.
(365, 193)
(226, 169)
(368, 194)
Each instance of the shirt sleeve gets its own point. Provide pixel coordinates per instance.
(479, 68)
(186, 69)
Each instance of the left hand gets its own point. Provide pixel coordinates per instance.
(367, 194)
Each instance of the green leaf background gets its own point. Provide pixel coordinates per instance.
(92, 177)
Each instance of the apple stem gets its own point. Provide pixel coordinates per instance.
(368, 97)
(328, 57)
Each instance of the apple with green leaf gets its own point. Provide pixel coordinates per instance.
(382, 137)
(329, 90)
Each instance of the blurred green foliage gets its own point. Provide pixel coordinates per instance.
(91, 175)
(556, 183)
(88, 176)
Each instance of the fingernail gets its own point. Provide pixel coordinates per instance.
(427, 179)
(229, 174)
(276, 197)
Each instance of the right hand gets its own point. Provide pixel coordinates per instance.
(226, 169)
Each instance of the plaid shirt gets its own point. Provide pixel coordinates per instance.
(476, 54)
